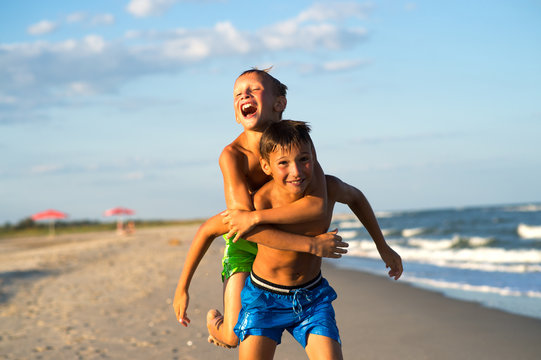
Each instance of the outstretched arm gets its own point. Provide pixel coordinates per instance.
(207, 232)
(360, 206)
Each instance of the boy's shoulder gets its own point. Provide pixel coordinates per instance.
(238, 147)
(263, 196)
(335, 186)
(233, 151)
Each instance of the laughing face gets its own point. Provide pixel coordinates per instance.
(256, 104)
(291, 169)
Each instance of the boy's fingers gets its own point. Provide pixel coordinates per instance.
(233, 235)
(340, 251)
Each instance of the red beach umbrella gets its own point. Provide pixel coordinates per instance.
(50, 215)
(119, 211)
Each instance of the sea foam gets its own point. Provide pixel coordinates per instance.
(529, 232)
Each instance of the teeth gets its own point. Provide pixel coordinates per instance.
(248, 109)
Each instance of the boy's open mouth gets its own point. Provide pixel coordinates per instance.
(248, 109)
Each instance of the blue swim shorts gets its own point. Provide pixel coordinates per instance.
(269, 309)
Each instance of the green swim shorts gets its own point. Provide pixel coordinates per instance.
(238, 256)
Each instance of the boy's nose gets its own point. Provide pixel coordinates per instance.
(294, 169)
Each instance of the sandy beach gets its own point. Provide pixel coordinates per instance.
(103, 296)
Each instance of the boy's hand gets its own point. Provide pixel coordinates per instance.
(329, 245)
(180, 305)
(392, 260)
(240, 222)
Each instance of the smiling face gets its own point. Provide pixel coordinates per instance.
(291, 168)
(256, 104)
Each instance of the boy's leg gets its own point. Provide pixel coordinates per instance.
(256, 347)
(323, 347)
(221, 327)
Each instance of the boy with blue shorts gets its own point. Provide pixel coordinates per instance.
(285, 290)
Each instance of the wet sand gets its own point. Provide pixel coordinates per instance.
(103, 296)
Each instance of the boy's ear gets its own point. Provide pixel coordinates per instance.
(265, 166)
(280, 104)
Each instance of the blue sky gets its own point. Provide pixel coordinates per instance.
(420, 104)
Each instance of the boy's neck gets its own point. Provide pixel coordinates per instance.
(283, 196)
(252, 140)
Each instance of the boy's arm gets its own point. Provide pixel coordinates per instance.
(360, 206)
(236, 189)
(309, 208)
(207, 232)
(290, 241)
(237, 196)
(329, 244)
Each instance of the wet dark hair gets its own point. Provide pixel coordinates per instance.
(286, 134)
(278, 88)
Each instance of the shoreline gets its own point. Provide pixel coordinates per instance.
(110, 297)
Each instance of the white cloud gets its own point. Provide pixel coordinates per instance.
(94, 43)
(137, 175)
(334, 11)
(410, 6)
(80, 88)
(7, 99)
(42, 27)
(41, 73)
(342, 65)
(144, 8)
(103, 19)
(238, 41)
(310, 37)
(82, 17)
(185, 49)
(46, 169)
(76, 17)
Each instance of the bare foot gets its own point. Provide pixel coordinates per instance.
(211, 339)
(215, 320)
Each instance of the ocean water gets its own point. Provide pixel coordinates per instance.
(490, 255)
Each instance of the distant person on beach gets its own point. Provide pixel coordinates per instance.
(285, 289)
(259, 100)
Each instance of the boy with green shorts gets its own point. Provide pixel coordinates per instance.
(259, 100)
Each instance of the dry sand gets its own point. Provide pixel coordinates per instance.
(103, 296)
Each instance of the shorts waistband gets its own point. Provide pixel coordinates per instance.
(282, 289)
